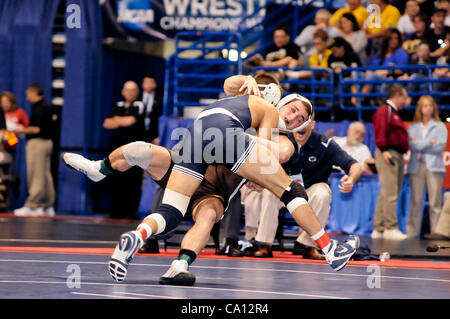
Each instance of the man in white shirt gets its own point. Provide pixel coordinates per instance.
(405, 24)
(305, 39)
(353, 145)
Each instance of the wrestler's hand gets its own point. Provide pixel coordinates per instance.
(250, 87)
(346, 184)
(254, 187)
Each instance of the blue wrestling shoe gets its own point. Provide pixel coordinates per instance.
(127, 247)
(340, 253)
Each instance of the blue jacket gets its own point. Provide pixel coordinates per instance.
(316, 158)
(431, 153)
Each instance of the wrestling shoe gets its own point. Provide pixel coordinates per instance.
(339, 253)
(127, 247)
(89, 168)
(29, 212)
(178, 274)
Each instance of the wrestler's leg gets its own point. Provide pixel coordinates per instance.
(155, 159)
(205, 214)
(262, 168)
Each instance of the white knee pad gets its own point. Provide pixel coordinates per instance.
(138, 154)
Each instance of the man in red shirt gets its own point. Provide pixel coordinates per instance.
(391, 138)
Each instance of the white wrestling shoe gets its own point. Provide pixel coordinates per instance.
(178, 274)
(376, 234)
(89, 168)
(394, 234)
(29, 212)
(340, 253)
(127, 247)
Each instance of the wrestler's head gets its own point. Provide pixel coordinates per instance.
(295, 113)
(301, 137)
(270, 87)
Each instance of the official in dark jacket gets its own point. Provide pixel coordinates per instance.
(153, 105)
(126, 125)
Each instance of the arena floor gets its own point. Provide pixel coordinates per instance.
(66, 258)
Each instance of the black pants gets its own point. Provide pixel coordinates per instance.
(126, 193)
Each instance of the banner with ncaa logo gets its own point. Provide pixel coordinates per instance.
(162, 19)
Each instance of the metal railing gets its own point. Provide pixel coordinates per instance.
(198, 68)
(426, 83)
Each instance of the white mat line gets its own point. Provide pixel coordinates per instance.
(178, 287)
(235, 268)
(103, 295)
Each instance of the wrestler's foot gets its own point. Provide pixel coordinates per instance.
(90, 168)
(178, 274)
(127, 247)
(338, 254)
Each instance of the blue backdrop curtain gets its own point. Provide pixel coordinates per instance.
(25, 57)
(82, 99)
(94, 79)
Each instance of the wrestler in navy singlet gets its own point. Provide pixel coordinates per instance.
(217, 136)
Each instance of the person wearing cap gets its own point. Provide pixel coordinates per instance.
(437, 36)
(342, 56)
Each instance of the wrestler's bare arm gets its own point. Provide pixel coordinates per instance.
(240, 85)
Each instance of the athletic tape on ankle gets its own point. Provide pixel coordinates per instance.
(138, 154)
(321, 238)
(160, 221)
(177, 200)
(147, 229)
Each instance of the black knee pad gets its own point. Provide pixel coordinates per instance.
(171, 216)
(294, 197)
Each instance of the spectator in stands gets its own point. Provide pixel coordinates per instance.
(353, 34)
(422, 57)
(305, 40)
(355, 8)
(379, 22)
(442, 73)
(311, 165)
(420, 34)
(354, 146)
(391, 139)
(153, 108)
(39, 147)
(437, 36)
(405, 23)
(391, 54)
(318, 60)
(442, 229)
(283, 53)
(427, 140)
(342, 57)
(444, 5)
(126, 125)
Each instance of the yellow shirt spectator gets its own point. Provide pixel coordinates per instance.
(320, 60)
(360, 14)
(388, 18)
